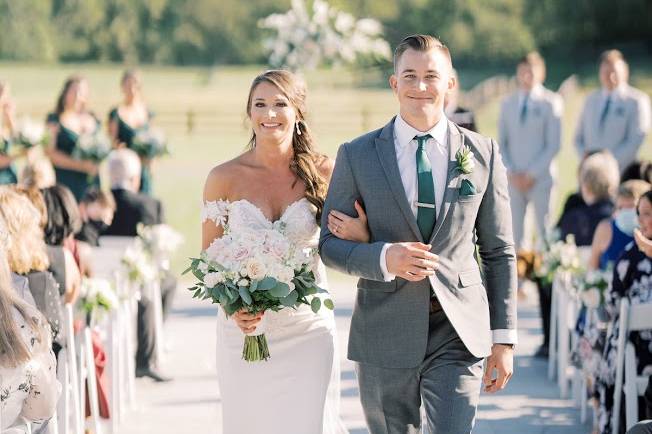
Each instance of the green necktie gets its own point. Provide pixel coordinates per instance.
(426, 208)
(523, 115)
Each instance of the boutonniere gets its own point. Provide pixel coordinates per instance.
(465, 160)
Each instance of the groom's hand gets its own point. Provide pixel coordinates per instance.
(411, 261)
(501, 360)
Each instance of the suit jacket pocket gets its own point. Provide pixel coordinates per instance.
(470, 277)
(374, 285)
(469, 198)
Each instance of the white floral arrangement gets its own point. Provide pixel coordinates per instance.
(94, 146)
(255, 271)
(160, 242)
(304, 40)
(137, 264)
(97, 296)
(592, 287)
(558, 256)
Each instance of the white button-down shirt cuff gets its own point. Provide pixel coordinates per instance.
(505, 336)
(383, 264)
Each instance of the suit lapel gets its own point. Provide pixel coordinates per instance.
(455, 139)
(387, 156)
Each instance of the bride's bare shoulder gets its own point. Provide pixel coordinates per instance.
(221, 179)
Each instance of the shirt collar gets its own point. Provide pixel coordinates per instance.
(405, 133)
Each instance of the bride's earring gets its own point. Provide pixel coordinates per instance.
(298, 129)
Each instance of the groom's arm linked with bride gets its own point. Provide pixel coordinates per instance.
(427, 313)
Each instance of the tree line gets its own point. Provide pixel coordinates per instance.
(209, 32)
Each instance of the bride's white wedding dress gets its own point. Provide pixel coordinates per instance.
(297, 390)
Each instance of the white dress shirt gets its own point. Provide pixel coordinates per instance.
(437, 151)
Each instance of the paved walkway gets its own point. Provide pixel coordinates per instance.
(191, 403)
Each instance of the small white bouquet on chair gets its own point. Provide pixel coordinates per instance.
(592, 287)
(137, 266)
(160, 242)
(96, 298)
(257, 273)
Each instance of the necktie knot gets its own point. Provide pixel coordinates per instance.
(421, 140)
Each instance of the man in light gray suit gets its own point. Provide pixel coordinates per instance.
(529, 132)
(425, 317)
(616, 117)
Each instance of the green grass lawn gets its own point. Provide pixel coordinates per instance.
(341, 107)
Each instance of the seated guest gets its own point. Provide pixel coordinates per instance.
(133, 208)
(27, 255)
(30, 389)
(63, 223)
(599, 178)
(631, 280)
(613, 234)
(96, 210)
(459, 115)
(640, 169)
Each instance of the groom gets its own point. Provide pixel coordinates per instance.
(427, 313)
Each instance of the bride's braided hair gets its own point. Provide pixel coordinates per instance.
(306, 158)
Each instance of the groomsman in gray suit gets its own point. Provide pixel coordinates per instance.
(616, 117)
(425, 317)
(530, 137)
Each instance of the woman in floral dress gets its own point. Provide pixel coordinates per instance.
(632, 279)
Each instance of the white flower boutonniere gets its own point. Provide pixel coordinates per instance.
(465, 160)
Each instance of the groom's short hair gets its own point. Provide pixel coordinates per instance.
(420, 43)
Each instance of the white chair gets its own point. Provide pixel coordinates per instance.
(69, 417)
(89, 380)
(632, 318)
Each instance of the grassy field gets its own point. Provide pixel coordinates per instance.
(341, 107)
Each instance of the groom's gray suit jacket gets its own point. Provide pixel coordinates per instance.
(389, 327)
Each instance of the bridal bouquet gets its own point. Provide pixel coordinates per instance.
(256, 271)
(93, 146)
(150, 143)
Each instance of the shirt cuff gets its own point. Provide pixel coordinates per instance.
(383, 264)
(505, 336)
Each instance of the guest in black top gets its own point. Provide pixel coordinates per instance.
(599, 179)
(459, 115)
(132, 207)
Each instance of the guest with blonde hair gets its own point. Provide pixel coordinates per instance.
(27, 255)
(598, 179)
(28, 380)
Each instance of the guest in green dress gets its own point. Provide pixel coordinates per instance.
(70, 120)
(128, 118)
(7, 127)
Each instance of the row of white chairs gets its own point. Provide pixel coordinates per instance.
(563, 339)
(76, 364)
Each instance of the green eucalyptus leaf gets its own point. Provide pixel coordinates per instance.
(267, 283)
(244, 294)
(290, 300)
(329, 304)
(315, 304)
(280, 290)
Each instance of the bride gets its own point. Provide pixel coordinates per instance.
(279, 180)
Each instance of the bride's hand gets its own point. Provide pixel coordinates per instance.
(247, 321)
(349, 228)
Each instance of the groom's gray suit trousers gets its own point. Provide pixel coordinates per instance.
(448, 382)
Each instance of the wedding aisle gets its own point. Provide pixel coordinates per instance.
(191, 403)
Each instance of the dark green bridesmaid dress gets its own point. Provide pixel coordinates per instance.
(126, 134)
(7, 174)
(66, 141)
